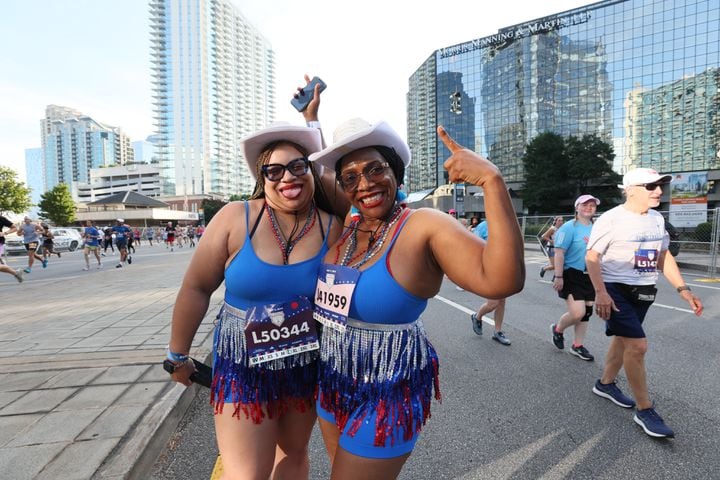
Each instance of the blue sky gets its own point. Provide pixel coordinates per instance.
(93, 56)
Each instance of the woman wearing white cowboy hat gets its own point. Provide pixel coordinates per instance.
(377, 369)
(267, 250)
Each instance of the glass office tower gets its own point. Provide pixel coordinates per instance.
(641, 74)
(213, 83)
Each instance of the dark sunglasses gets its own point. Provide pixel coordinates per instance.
(274, 172)
(650, 187)
(373, 173)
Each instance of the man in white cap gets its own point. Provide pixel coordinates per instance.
(627, 248)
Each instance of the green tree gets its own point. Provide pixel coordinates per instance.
(57, 205)
(14, 195)
(590, 160)
(546, 179)
(210, 208)
(558, 170)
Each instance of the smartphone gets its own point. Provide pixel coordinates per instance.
(203, 376)
(301, 99)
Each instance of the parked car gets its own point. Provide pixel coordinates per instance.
(66, 239)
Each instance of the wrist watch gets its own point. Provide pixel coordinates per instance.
(681, 288)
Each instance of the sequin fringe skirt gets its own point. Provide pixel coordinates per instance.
(268, 389)
(390, 369)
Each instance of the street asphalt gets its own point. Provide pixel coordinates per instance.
(82, 393)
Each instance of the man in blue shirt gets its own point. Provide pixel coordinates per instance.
(92, 244)
(122, 232)
(498, 306)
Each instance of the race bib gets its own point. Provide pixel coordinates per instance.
(280, 330)
(333, 292)
(646, 260)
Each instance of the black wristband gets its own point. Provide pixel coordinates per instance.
(557, 276)
(682, 287)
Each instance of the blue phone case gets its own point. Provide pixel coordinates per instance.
(308, 92)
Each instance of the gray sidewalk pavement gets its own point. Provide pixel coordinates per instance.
(82, 389)
(82, 392)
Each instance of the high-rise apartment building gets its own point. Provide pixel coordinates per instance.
(213, 83)
(640, 74)
(73, 143)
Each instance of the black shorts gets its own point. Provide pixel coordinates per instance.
(32, 246)
(633, 303)
(577, 284)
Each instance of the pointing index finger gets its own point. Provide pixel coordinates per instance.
(449, 142)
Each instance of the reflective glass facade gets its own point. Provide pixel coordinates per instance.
(642, 74)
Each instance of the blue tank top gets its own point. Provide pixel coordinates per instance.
(251, 281)
(378, 298)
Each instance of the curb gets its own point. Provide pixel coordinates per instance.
(135, 457)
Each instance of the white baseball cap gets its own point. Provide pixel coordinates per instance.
(641, 176)
(586, 198)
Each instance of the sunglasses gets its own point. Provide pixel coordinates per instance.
(274, 172)
(650, 187)
(373, 173)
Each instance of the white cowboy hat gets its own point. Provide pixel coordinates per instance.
(251, 145)
(356, 134)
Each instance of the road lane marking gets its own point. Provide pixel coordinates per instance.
(463, 309)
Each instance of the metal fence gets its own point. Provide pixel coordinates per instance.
(699, 241)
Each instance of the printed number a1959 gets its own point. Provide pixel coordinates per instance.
(330, 299)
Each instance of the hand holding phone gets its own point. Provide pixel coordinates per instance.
(303, 97)
(202, 375)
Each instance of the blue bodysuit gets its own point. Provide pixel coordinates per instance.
(277, 384)
(376, 378)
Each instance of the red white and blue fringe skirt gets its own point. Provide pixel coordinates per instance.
(265, 390)
(391, 369)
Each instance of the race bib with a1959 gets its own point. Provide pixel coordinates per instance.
(333, 293)
(279, 330)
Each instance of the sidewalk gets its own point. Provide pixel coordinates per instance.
(82, 393)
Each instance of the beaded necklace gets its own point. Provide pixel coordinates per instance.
(286, 246)
(375, 244)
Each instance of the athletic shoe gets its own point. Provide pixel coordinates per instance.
(542, 272)
(501, 338)
(613, 393)
(476, 324)
(102, 254)
(44, 263)
(129, 260)
(18, 276)
(582, 353)
(27, 270)
(100, 265)
(86, 269)
(119, 265)
(652, 423)
(58, 254)
(558, 339)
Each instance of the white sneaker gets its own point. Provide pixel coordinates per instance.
(86, 268)
(99, 266)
